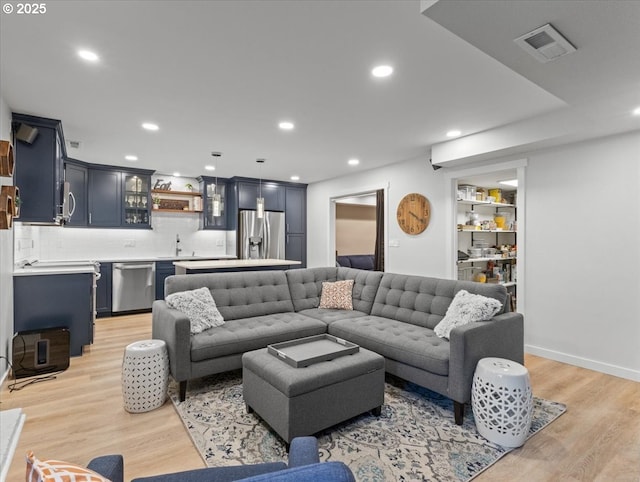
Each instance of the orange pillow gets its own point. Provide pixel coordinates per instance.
(58, 471)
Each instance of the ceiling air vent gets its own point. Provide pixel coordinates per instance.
(545, 43)
(74, 144)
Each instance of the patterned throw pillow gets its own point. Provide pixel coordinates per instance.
(199, 307)
(337, 295)
(57, 471)
(465, 308)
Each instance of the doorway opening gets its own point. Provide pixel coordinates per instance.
(359, 230)
(487, 227)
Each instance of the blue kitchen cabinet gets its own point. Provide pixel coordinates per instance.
(119, 198)
(39, 168)
(164, 269)
(272, 192)
(295, 216)
(295, 249)
(77, 175)
(55, 300)
(105, 198)
(136, 199)
(208, 187)
(103, 291)
(296, 209)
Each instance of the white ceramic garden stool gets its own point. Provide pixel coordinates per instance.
(145, 375)
(502, 401)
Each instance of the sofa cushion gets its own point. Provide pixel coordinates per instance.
(329, 315)
(404, 342)
(365, 286)
(239, 295)
(305, 285)
(337, 295)
(199, 307)
(242, 335)
(467, 308)
(424, 301)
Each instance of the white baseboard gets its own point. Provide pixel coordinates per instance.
(597, 366)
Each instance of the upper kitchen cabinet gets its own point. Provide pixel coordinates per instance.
(136, 187)
(119, 199)
(272, 192)
(76, 173)
(39, 152)
(215, 209)
(105, 198)
(296, 209)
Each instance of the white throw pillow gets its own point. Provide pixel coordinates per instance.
(199, 307)
(465, 308)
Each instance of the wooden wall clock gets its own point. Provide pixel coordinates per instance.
(414, 213)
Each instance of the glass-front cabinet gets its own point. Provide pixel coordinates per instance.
(215, 206)
(136, 200)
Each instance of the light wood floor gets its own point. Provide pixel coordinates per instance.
(79, 416)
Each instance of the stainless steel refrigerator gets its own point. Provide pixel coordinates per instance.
(261, 238)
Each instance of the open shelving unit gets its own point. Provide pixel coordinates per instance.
(177, 201)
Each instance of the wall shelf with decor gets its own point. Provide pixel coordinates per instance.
(176, 201)
(6, 159)
(8, 209)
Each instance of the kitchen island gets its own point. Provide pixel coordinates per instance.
(221, 265)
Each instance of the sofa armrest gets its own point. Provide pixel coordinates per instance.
(325, 472)
(303, 451)
(109, 466)
(501, 337)
(174, 328)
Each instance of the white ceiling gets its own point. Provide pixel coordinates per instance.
(219, 76)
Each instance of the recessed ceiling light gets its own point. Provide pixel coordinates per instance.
(286, 125)
(353, 162)
(509, 182)
(382, 71)
(176, 174)
(453, 133)
(88, 55)
(295, 178)
(131, 157)
(150, 126)
(636, 111)
(210, 168)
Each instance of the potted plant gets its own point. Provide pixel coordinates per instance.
(188, 186)
(156, 202)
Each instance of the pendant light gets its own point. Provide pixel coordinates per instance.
(260, 199)
(216, 199)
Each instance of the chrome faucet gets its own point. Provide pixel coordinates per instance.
(178, 248)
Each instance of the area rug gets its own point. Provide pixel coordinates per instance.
(415, 437)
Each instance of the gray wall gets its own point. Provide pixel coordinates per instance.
(582, 270)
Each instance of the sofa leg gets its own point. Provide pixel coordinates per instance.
(183, 390)
(458, 412)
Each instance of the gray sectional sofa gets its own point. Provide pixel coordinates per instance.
(393, 315)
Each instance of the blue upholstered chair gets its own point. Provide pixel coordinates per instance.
(304, 464)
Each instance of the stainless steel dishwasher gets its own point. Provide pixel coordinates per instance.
(134, 286)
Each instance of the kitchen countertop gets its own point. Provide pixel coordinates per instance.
(183, 266)
(36, 271)
(73, 266)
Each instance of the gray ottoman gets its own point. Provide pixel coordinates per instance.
(302, 401)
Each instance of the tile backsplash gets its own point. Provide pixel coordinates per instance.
(64, 243)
